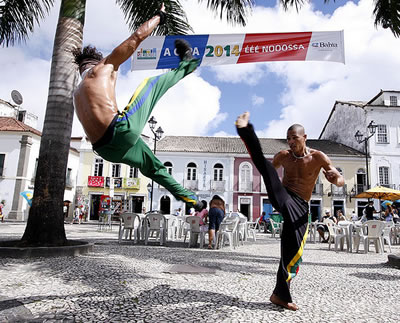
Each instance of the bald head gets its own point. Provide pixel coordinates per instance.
(297, 128)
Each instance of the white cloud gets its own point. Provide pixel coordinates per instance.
(250, 74)
(223, 134)
(309, 89)
(257, 100)
(190, 107)
(312, 87)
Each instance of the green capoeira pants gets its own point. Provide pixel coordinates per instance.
(122, 142)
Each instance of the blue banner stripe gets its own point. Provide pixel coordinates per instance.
(128, 111)
(168, 59)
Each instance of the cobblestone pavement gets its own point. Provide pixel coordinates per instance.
(134, 283)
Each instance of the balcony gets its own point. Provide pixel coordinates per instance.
(69, 183)
(359, 188)
(218, 186)
(246, 187)
(318, 189)
(192, 185)
(337, 191)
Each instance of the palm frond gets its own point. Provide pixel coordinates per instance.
(294, 3)
(387, 14)
(236, 11)
(137, 12)
(18, 18)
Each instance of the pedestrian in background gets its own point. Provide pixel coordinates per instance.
(2, 215)
(215, 216)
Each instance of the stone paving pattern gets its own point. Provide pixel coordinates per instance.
(135, 283)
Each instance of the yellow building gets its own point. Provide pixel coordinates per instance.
(102, 184)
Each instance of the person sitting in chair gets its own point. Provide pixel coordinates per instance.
(323, 228)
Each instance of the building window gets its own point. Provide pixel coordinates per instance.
(68, 177)
(133, 172)
(393, 101)
(98, 167)
(218, 172)
(191, 172)
(2, 158)
(383, 175)
(116, 170)
(168, 166)
(382, 134)
(245, 177)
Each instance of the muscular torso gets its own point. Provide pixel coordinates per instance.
(94, 100)
(300, 175)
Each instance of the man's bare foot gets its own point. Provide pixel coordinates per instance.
(277, 301)
(243, 120)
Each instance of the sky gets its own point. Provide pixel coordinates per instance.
(207, 102)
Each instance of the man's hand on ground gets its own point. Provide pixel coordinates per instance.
(243, 120)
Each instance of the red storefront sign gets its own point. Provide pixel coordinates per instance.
(96, 181)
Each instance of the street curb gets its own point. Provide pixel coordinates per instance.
(394, 261)
(63, 251)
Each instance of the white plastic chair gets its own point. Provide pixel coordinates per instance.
(155, 223)
(194, 231)
(129, 223)
(335, 235)
(252, 230)
(312, 231)
(396, 233)
(275, 228)
(242, 230)
(371, 231)
(171, 226)
(346, 227)
(227, 231)
(387, 235)
(180, 225)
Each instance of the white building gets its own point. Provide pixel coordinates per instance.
(222, 166)
(200, 164)
(346, 118)
(19, 153)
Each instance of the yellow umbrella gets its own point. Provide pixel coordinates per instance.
(380, 192)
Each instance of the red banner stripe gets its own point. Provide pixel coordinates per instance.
(275, 47)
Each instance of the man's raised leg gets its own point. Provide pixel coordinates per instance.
(141, 105)
(141, 156)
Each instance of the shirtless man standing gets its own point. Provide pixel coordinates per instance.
(116, 136)
(290, 197)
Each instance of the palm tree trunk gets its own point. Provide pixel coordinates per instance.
(45, 225)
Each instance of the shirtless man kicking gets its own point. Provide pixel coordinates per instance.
(290, 197)
(116, 136)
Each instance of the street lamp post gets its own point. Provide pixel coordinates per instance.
(157, 136)
(371, 129)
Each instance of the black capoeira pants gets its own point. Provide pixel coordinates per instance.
(293, 209)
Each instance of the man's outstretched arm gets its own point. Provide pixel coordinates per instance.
(125, 50)
(330, 172)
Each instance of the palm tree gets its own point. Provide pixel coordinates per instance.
(386, 12)
(45, 226)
